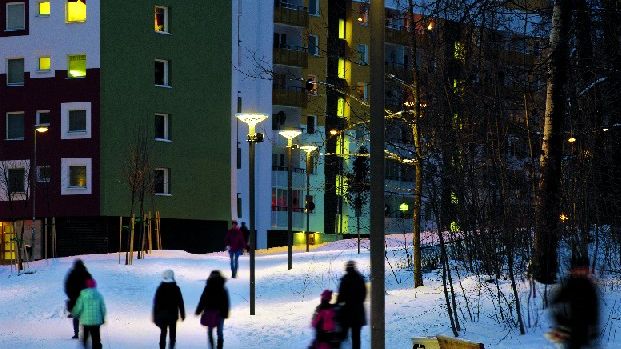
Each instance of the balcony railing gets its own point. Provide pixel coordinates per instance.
(286, 56)
(291, 15)
(293, 97)
(397, 35)
(399, 70)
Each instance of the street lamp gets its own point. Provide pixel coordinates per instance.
(252, 120)
(289, 135)
(309, 149)
(33, 181)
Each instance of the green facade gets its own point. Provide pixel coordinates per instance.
(199, 103)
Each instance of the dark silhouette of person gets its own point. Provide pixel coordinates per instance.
(75, 282)
(168, 307)
(352, 293)
(575, 307)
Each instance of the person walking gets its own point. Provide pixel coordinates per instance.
(91, 310)
(246, 233)
(325, 323)
(235, 244)
(75, 282)
(167, 307)
(213, 307)
(575, 308)
(352, 293)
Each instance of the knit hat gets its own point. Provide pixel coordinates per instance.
(168, 276)
(326, 295)
(351, 265)
(91, 283)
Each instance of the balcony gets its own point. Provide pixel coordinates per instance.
(293, 97)
(397, 35)
(399, 70)
(291, 15)
(296, 58)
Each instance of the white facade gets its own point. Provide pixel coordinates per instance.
(253, 28)
(50, 36)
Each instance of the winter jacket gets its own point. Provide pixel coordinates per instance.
(324, 322)
(74, 283)
(576, 307)
(235, 240)
(215, 297)
(90, 308)
(167, 304)
(352, 293)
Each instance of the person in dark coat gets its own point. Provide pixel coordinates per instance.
(167, 307)
(246, 233)
(575, 307)
(352, 293)
(75, 282)
(235, 244)
(214, 307)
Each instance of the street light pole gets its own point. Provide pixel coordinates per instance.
(33, 184)
(252, 120)
(290, 135)
(308, 149)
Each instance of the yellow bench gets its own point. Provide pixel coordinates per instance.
(442, 342)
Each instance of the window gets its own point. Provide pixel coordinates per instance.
(17, 180)
(15, 126)
(15, 16)
(313, 45)
(313, 7)
(44, 173)
(341, 68)
(76, 11)
(76, 176)
(75, 120)
(45, 63)
(43, 117)
(162, 71)
(310, 124)
(362, 91)
(162, 127)
(44, 9)
(340, 108)
(161, 19)
(363, 54)
(76, 67)
(161, 183)
(341, 28)
(363, 15)
(311, 85)
(15, 72)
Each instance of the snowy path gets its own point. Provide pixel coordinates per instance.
(32, 306)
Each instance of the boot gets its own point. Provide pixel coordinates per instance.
(162, 345)
(171, 345)
(220, 343)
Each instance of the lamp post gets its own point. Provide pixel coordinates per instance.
(252, 120)
(33, 183)
(309, 149)
(289, 135)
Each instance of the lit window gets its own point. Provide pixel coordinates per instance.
(77, 177)
(362, 91)
(44, 8)
(340, 109)
(76, 66)
(311, 85)
(76, 11)
(44, 173)
(161, 183)
(341, 67)
(363, 54)
(15, 126)
(43, 117)
(162, 71)
(15, 16)
(313, 45)
(15, 73)
(161, 19)
(17, 180)
(77, 121)
(459, 51)
(162, 127)
(341, 29)
(45, 63)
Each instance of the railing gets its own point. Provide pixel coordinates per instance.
(397, 35)
(294, 97)
(286, 56)
(291, 15)
(399, 70)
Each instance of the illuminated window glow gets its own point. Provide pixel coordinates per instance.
(76, 66)
(76, 11)
(161, 19)
(341, 67)
(342, 29)
(44, 8)
(340, 108)
(45, 63)
(459, 51)
(454, 227)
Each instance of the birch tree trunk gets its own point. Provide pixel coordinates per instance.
(545, 264)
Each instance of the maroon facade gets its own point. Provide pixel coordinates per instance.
(3, 32)
(48, 94)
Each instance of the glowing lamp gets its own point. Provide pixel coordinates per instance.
(251, 119)
(41, 128)
(290, 135)
(571, 139)
(404, 207)
(308, 148)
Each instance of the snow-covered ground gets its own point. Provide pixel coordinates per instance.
(32, 313)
